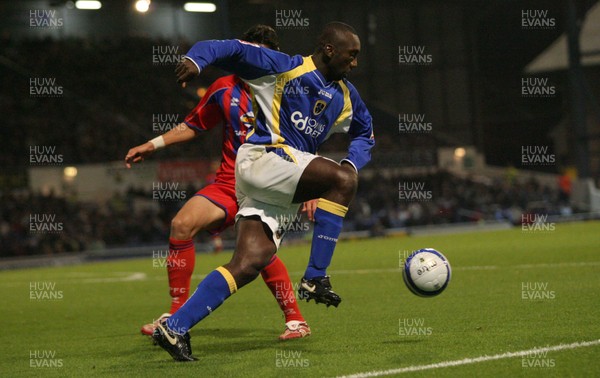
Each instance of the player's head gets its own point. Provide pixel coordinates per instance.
(338, 47)
(262, 35)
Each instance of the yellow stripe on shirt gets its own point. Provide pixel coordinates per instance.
(346, 113)
(254, 106)
(280, 82)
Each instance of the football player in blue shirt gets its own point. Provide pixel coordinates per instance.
(298, 103)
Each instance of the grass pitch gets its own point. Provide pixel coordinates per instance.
(511, 291)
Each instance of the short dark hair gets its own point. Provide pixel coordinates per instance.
(331, 31)
(262, 34)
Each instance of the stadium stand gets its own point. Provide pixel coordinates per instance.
(110, 109)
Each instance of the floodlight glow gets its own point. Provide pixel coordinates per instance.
(200, 7)
(70, 172)
(87, 4)
(142, 6)
(459, 152)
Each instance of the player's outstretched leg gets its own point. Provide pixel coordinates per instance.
(197, 214)
(253, 251)
(172, 334)
(336, 185)
(180, 267)
(278, 281)
(178, 346)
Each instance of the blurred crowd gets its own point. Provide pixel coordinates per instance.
(441, 197)
(110, 91)
(104, 96)
(110, 94)
(46, 224)
(60, 225)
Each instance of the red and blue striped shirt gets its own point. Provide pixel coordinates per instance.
(228, 103)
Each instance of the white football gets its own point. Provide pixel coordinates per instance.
(426, 272)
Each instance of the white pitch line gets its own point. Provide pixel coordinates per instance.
(468, 361)
(558, 265)
(371, 271)
(396, 270)
(138, 276)
(472, 267)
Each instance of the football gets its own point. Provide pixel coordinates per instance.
(426, 272)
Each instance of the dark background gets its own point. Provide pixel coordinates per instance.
(470, 92)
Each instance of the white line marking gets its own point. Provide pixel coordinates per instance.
(138, 276)
(558, 265)
(477, 267)
(468, 361)
(473, 267)
(399, 270)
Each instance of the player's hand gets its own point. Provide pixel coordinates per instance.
(137, 154)
(186, 70)
(309, 207)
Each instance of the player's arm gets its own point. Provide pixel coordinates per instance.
(180, 134)
(206, 115)
(361, 134)
(247, 60)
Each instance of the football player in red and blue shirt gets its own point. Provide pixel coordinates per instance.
(213, 208)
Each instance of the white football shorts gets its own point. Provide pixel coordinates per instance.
(265, 183)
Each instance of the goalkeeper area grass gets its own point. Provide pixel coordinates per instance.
(520, 303)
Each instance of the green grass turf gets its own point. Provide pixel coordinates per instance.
(94, 328)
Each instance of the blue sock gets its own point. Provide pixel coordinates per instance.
(328, 225)
(211, 292)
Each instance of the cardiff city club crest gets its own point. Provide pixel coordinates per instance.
(247, 119)
(319, 107)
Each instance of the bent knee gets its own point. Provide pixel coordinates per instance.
(346, 181)
(182, 226)
(251, 266)
(249, 271)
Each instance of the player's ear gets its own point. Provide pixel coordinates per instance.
(329, 49)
